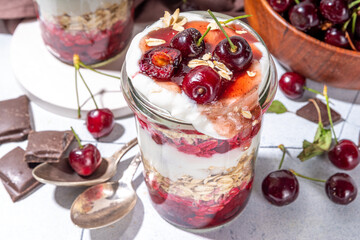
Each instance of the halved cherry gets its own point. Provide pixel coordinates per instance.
(160, 62)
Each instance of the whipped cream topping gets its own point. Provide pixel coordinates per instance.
(179, 105)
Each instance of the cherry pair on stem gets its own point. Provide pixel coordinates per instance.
(281, 187)
(344, 154)
(99, 121)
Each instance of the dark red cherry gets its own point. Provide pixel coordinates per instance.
(100, 122)
(280, 187)
(336, 11)
(186, 42)
(85, 159)
(202, 84)
(341, 188)
(336, 37)
(357, 28)
(160, 62)
(304, 16)
(240, 59)
(280, 6)
(292, 85)
(345, 155)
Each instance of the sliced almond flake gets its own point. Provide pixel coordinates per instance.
(240, 31)
(220, 66)
(251, 73)
(151, 42)
(166, 19)
(213, 26)
(178, 27)
(175, 16)
(224, 74)
(155, 28)
(210, 63)
(246, 114)
(206, 56)
(182, 22)
(255, 122)
(197, 62)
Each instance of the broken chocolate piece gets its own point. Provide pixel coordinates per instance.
(15, 123)
(48, 146)
(309, 112)
(16, 175)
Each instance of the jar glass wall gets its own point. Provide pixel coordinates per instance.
(196, 181)
(95, 30)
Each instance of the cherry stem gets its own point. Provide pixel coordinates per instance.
(308, 178)
(203, 36)
(297, 1)
(317, 110)
(312, 90)
(77, 93)
(233, 47)
(347, 36)
(353, 4)
(329, 112)
(94, 70)
(77, 138)
(92, 96)
(236, 18)
(282, 148)
(346, 24)
(354, 17)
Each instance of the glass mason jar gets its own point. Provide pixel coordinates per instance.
(196, 181)
(95, 30)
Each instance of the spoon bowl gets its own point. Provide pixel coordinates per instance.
(61, 173)
(106, 203)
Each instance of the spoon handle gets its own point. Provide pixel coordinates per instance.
(121, 152)
(130, 171)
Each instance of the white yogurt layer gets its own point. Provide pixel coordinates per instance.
(180, 106)
(173, 164)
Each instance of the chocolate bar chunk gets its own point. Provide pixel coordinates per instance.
(48, 146)
(15, 123)
(16, 174)
(309, 112)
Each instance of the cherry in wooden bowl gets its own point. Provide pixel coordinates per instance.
(302, 53)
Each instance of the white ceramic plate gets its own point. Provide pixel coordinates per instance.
(51, 83)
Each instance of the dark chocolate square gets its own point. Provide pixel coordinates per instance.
(15, 123)
(16, 175)
(309, 112)
(48, 146)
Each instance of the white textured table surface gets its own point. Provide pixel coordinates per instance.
(45, 213)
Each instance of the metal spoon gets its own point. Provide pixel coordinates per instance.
(106, 203)
(61, 174)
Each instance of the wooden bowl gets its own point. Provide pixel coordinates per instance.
(302, 53)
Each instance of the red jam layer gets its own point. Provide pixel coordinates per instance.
(187, 213)
(202, 147)
(92, 47)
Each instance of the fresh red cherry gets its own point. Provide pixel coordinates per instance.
(100, 122)
(345, 155)
(292, 85)
(280, 6)
(336, 11)
(304, 16)
(160, 62)
(336, 37)
(85, 160)
(280, 187)
(187, 43)
(202, 84)
(341, 188)
(236, 60)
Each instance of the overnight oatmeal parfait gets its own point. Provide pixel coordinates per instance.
(95, 30)
(199, 89)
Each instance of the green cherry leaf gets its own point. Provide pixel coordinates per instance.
(277, 107)
(310, 150)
